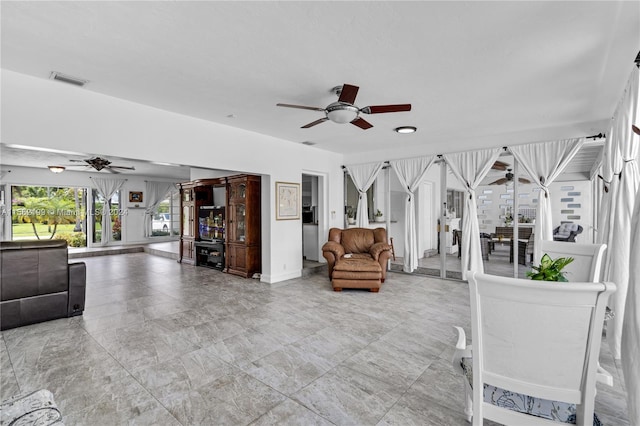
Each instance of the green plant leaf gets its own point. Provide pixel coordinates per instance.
(549, 269)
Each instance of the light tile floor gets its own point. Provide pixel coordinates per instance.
(162, 343)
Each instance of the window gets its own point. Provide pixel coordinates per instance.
(111, 206)
(455, 202)
(165, 221)
(42, 212)
(351, 198)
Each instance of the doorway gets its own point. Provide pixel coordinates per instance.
(312, 219)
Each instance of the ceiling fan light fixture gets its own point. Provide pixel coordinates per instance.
(405, 129)
(56, 169)
(341, 113)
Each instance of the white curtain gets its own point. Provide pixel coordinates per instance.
(363, 176)
(624, 187)
(410, 173)
(106, 188)
(155, 193)
(543, 162)
(630, 342)
(470, 168)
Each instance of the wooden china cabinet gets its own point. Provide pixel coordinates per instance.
(242, 239)
(243, 225)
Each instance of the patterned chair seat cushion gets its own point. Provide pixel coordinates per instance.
(33, 409)
(552, 410)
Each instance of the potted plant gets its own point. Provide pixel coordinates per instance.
(379, 217)
(351, 216)
(550, 269)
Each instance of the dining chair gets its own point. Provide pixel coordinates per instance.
(534, 351)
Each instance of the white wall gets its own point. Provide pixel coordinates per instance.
(43, 113)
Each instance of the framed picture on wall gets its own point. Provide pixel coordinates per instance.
(135, 196)
(288, 201)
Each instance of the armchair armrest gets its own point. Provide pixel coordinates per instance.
(376, 249)
(332, 247)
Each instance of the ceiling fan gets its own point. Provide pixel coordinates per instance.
(100, 163)
(508, 177)
(344, 110)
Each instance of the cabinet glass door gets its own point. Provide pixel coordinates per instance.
(242, 191)
(186, 221)
(239, 192)
(240, 222)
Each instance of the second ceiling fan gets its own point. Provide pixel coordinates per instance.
(344, 110)
(99, 164)
(508, 177)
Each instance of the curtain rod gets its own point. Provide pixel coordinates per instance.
(384, 167)
(505, 148)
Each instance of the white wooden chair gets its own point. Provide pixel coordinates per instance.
(587, 259)
(535, 348)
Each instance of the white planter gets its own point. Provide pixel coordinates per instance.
(378, 218)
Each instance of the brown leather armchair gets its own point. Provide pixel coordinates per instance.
(362, 243)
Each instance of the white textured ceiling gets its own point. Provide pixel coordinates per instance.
(477, 73)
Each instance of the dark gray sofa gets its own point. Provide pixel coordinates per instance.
(37, 282)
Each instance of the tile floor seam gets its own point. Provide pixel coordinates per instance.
(13, 369)
(133, 377)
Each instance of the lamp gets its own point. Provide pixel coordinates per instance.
(56, 169)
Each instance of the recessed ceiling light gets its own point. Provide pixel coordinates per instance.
(405, 129)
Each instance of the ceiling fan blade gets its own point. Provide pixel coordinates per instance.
(348, 94)
(313, 123)
(300, 107)
(500, 165)
(111, 170)
(121, 167)
(500, 181)
(379, 109)
(362, 123)
(523, 180)
(635, 129)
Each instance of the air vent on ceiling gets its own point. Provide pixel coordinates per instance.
(55, 75)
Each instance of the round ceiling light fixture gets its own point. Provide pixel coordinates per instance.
(56, 169)
(405, 129)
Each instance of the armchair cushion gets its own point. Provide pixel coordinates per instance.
(552, 410)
